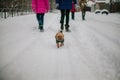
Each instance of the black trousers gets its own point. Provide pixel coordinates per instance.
(65, 14)
(73, 15)
(83, 14)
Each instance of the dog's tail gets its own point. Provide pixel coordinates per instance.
(61, 31)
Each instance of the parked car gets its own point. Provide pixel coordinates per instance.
(104, 11)
(97, 11)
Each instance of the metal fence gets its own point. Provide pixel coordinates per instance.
(11, 12)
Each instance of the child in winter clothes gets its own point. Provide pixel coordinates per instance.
(73, 10)
(83, 4)
(40, 7)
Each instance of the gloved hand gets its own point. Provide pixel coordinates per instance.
(47, 11)
(34, 10)
(76, 6)
(86, 4)
(57, 6)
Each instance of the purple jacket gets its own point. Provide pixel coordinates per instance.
(40, 6)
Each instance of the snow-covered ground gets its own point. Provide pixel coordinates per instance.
(91, 50)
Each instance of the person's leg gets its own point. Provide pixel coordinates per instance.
(67, 20)
(42, 21)
(67, 16)
(73, 15)
(83, 15)
(40, 18)
(62, 18)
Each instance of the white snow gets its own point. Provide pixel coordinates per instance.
(91, 50)
(90, 3)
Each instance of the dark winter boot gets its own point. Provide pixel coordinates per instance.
(67, 28)
(41, 28)
(83, 17)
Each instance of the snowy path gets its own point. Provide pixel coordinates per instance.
(91, 50)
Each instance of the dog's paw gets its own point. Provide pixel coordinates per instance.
(61, 45)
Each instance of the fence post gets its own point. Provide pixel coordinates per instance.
(5, 15)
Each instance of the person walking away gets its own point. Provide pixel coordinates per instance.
(73, 10)
(83, 4)
(40, 7)
(65, 6)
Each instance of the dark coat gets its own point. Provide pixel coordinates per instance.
(83, 6)
(65, 4)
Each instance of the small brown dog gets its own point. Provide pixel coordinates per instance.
(59, 39)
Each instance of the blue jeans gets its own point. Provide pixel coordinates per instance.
(40, 18)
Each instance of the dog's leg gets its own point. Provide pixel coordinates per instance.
(61, 44)
(57, 45)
